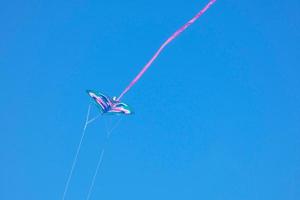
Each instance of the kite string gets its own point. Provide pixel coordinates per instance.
(95, 175)
(108, 133)
(93, 119)
(172, 37)
(77, 153)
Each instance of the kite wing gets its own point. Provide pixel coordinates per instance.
(103, 102)
(121, 108)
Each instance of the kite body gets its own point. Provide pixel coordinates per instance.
(109, 105)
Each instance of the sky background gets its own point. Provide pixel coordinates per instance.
(217, 116)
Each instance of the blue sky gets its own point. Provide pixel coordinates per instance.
(217, 115)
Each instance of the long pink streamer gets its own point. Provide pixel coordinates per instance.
(178, 32)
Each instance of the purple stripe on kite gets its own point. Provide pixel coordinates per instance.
(101, 104)
(178, 32)
(118, 110)
(100, 101)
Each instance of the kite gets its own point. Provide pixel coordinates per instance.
(109, 105)
(114, 106)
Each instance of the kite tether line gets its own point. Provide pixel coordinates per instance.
(99, 164)
(87, 122)
(75, 159)
(172, 37)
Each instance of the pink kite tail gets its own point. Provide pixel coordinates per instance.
(178, 32)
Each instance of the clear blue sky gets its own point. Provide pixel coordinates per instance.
(217, 115)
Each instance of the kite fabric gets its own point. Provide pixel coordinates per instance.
(109, 105)
(178, 32)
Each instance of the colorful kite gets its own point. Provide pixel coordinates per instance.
(109, 105)
(114, 106)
